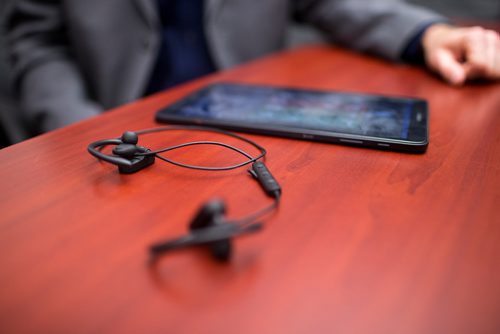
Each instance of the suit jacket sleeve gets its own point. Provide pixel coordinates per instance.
(379, 27)
(46, 77)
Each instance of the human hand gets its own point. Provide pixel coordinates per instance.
(458, 54)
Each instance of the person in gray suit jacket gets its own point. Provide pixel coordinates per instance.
(73, 59)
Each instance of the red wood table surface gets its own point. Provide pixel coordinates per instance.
(365, 241)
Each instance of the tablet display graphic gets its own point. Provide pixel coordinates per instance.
(343, 113)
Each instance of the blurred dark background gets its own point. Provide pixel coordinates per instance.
(12, 130)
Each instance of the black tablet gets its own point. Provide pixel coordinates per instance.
(376, 121)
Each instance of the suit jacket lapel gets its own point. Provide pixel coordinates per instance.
(148, 11)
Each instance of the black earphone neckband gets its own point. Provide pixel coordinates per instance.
(208, 226)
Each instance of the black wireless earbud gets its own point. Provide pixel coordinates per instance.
(209, 226)
(128, 156)
(130, 137)
(129, 147)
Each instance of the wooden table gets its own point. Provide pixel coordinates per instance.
(365, 241)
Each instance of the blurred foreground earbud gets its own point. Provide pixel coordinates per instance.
(208, 228)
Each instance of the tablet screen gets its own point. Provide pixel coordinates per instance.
(305, 110)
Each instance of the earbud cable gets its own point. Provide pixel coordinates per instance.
(249, 219)
(180, 164)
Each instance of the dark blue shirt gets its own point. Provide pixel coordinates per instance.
(413, 53)
(183, 53)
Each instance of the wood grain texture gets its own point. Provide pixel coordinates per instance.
(365, 241)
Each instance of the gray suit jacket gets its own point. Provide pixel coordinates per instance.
(73, 59)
